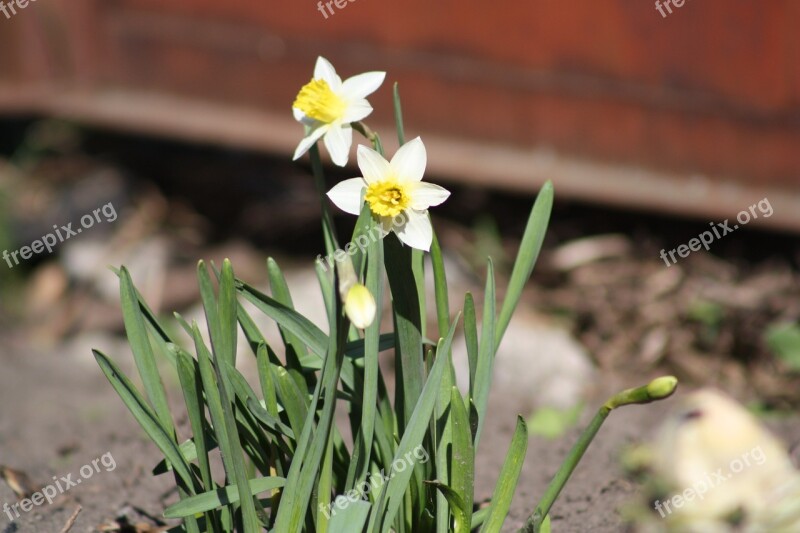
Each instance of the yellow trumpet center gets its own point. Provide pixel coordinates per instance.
(318, 101)
(388, 198)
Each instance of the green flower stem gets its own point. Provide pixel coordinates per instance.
(370, 135)
(398, 115)
(657, 389)
(328, 230)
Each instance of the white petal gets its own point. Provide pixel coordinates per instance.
(323, 70)
(357, 110)
(309, 141)
(338, 141)
(372, 164)
(417, 231)
(362, 85)
(410, 160)
(346, 195)
(426, 195)
(298, 114)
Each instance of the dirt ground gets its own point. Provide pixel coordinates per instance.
(59, 414)
(636, 318)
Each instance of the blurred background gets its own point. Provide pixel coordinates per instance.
(652, 124)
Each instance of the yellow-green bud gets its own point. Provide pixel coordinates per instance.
(662, 387)
(359, 306)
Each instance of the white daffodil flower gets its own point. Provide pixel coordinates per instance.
(328, 106)
(395, 192)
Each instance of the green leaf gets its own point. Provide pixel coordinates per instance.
(294, 346)
(486, 352)
(308, 456)
(292, 321)
(273, 424)
(351, 518)
(228, 311)
(545, 527)
(325, 279)
(440, 286)
(409, 363)
(146, 417)
(373, 343)
(471, 338)
(328, 228)
(479, 517)
(157, 331)
(398, 115)
(143, 351)
(207, 376)
(219, 497)
(294, 401)
(392, 496)
(209, 304)
(529, 249)
(462, 467)
(443, 443)
(457, 505)
(507, 482)
(324, 488)
(192, 387)
(356, 350)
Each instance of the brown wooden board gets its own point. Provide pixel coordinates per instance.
(697, 111)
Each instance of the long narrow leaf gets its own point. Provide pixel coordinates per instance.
(486, 352)
(308, 456)
(146, 417)
(142, 351)
(409, 364)
(507, 482)
(529, 248)
(219, 497)
(394, 492)
(462, 467)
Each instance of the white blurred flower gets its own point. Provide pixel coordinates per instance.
(395, 192)
(716, 469)
(328, 106)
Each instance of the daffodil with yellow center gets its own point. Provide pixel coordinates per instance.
(319, 102)
(395, 192)
(388, 198)
(327, 106)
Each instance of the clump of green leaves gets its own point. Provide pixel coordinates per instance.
(412, 460)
